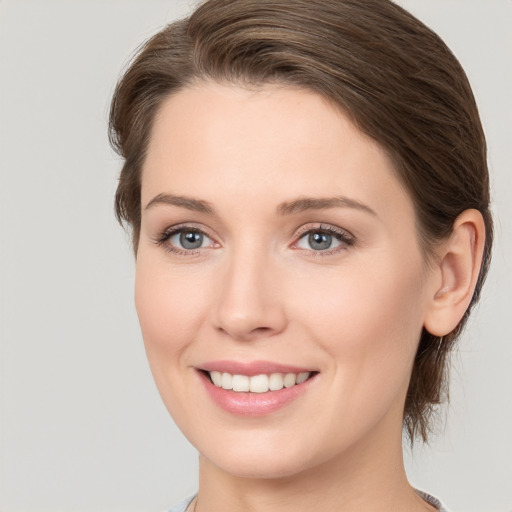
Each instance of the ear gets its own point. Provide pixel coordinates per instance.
(456, 273)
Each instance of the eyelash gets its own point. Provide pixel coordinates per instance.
(345, 238)
(162, 239)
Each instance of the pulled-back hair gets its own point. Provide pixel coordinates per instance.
(393, 76)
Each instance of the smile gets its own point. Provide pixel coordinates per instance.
(257, 383)
(255, 389)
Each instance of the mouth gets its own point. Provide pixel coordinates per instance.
(261, 383)
(255, 389)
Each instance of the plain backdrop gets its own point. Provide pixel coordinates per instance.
(82, 426)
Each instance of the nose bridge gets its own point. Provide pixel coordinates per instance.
(248, 303)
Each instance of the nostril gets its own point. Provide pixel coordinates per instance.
(261, 330)
(242, 334)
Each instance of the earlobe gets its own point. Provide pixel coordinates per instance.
(458, 266)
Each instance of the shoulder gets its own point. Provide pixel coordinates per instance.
(433, 501)
(182, 506)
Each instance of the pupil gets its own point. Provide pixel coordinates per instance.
(320, 241)
(191, 240)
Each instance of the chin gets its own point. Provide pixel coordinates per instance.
(258, 465)
(260, 455)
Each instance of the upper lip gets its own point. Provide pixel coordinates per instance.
(251, 368)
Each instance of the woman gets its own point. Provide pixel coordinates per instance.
(307, 188)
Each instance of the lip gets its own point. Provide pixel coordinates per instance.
(252, 404)
(251, 368)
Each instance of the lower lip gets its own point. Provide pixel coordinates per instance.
(253, 404)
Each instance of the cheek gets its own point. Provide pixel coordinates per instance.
(169, 307)
(368, 318)
(369, 323)
(353, 301)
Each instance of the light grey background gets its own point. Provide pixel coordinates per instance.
(82, 427)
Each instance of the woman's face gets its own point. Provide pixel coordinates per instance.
(276, 245)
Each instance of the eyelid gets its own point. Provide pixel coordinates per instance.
(162, 237)
(321, 226)
(347, 239)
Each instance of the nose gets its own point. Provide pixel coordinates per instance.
(249, 305)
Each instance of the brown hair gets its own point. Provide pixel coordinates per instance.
(391, 74)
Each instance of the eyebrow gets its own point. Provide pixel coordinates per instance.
(321, 203)
(299, 205)
(189, 203)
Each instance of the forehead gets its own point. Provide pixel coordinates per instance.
(274, 141)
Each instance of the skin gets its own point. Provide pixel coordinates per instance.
(256, 290)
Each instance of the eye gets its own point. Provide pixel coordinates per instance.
(189, 239)
(318, 241)
(184, 240)
(323, 239)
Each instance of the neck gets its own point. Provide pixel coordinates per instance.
(369, 477)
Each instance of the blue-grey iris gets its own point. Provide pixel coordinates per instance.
(191, 239)
(320, 241)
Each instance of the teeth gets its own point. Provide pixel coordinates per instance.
(257, 383)
(301, 377)
(275, 382)
(227, 381)
(241, 383)
(216, 378)
(289, 380)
